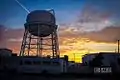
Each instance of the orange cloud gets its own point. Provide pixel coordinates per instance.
(72, 42)
(81, 46)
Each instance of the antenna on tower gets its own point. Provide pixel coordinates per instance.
(23, 6)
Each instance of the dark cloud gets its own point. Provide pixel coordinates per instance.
(109, 34)
(8, 33)
(1, 31)
(94, 23)
(109, 6)
(91, 13)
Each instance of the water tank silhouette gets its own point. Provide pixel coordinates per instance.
(40, 23)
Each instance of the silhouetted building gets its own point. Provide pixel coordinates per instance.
(78, 68)
(108, 58)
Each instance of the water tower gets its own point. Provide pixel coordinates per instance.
(40, 36)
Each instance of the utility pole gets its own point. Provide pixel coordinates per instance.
(118, 46)
(115, 51)
(74, 56)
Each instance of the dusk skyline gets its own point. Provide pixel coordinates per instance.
(84, 25)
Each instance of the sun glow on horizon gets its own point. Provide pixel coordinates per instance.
(75, 48)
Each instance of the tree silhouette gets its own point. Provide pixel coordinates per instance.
(97, 61)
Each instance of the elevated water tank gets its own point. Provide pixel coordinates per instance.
(40, 23)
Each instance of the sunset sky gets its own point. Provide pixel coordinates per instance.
(85, 26)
